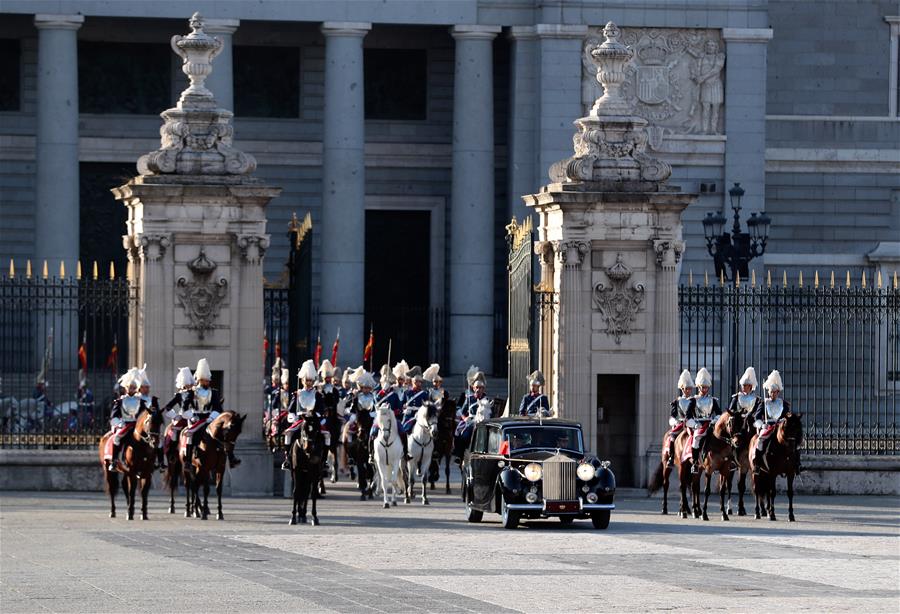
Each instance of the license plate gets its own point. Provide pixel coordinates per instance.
(561, 506)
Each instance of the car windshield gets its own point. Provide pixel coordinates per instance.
(553, 437)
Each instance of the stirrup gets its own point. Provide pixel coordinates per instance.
(234, 462)
(286, 466)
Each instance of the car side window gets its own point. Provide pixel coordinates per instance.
(494, 437)
(480, 442)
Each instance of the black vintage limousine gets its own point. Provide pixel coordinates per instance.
(529, 468)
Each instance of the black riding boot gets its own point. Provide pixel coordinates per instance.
(695, 460)
(233, 460)
(757, 460)
(160, 459)
(115, 457)
(671, 462)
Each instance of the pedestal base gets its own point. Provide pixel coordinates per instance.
(253, 478)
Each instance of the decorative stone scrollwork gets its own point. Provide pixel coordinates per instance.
(668, 252)
(153, 246)
(619, 302)
(201, 297)
(253, 247)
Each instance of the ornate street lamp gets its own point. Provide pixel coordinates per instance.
(735, 249)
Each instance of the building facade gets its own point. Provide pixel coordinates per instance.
(410, 131)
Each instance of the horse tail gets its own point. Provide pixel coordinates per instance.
(656, 480)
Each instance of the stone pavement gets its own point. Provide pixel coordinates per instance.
(60, 553)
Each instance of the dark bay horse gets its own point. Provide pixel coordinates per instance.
(173, 460)
(443, 444)
(307, 455)
(663, 471)
(719, 459)
(355, 438)
(742, 459)
(780, 459)
(217, 441)
(139, 454)
(333, 423)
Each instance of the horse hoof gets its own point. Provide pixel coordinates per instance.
(772, 518)
(791, 518)
(447, 492)
(171, 509)
(406, 501)
(757, 516)
(394, 503)
(303, 520)
(315, 521)
(292, 521)
(334, 480)
(705, 517)
(725, 517)
(684, 514)
(432, 487)
(145, 517)
(187, 514)
(220, 516)
(112, 514)
(130, 516)
(426, 502)
(387, 506)
(665, 512)
(742, 512)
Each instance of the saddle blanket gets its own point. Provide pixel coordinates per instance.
(700, 431)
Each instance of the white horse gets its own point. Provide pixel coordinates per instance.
(421, 446)
(388, 452)
(485, 410)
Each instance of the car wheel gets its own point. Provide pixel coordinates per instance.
(509, 518)
(600, 519)
(472, 515)
(567, 519)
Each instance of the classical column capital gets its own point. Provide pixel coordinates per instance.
(220, 26)
(560, 30)
(668, 252)
(152, 247)
(253, 247)
(522, 33)
(44, 21)
(474, 32)
(747, 35)
(894, 21)
(345, 28)
(571, 253)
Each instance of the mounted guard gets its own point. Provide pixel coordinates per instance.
(124, 413)
(681, 407)
(704, 412)
(152, 403)
(306, 404)
(535, 403)
(766, 419)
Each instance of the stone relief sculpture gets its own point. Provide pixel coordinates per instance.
(202, 296)
(619, 302)
(675, 81)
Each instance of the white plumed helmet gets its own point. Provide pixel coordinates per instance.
(749, 377)
(703, 378)
(145, 379)
(285, 376)
(132, 377)
(432, 372)
(202, 371)
(773, 382)
(685, 380)
(184, 378)
(401, 369)
(366, 380)
(326, 369)
(307, 371)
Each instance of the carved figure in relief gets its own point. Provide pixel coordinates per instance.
(706, 72)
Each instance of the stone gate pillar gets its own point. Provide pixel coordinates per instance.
(196, 237)
(614, 226)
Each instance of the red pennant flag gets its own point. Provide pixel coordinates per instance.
(334, 348)
(318, 353)
(370, 345)
(265, 344)
(277, 346)
(113, 360)
(82, 353)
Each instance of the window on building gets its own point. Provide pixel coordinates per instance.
(266, 81)
(396, 83)
(10, 74)
(102, 218)
(129, 78)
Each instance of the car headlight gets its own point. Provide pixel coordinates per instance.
(585, 472)
(591, 497)
(533, 472)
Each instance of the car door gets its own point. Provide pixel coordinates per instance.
(487, 468)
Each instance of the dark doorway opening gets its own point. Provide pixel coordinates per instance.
(617, 424)
(398, 269)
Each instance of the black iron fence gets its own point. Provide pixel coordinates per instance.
(63, 343)
(837, 348)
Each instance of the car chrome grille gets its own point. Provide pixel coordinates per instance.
(559, 478)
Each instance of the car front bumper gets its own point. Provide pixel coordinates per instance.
(539, 508)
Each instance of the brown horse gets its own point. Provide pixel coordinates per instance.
(719, 458)
(780, 459)
(217, 441)
(660, 477)
(742, 460)
(173, 461)
(443, 444)
(139, 455)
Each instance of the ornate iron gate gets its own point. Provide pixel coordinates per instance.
(520, 321)
(837, 348)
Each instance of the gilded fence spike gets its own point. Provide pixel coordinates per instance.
(769, 278)
(112, 269)
(753, 278)
(864, 279)
(832, 280)
(848, 278)
(879, 279)
(737, 279)
(816, 280)
(28, 269)
(45, 270)
(895, 280)
(706, 278)
(800, 280)
(12, 269)
(62, 269)
(722, 277)
(784, 279)
(96, 274)
(78, 269)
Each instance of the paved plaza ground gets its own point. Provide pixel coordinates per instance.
(60, 553)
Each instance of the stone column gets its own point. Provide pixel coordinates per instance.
(560, 90)
(472, 201)
(572, 373)
(343, 187)
(221, 81)
(745, 113)
(56, 204)
(523, 175)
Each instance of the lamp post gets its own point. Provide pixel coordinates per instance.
(735, 249)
